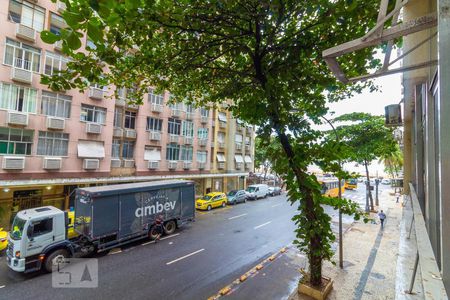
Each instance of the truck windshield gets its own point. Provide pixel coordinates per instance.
(251, 189)
(17, 228)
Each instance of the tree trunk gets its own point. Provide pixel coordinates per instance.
(315, 256)
(366, 165)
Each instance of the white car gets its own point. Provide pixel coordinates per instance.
(256, 191)
(386, 181)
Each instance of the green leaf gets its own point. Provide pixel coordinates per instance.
(49, 37)
(73, 41)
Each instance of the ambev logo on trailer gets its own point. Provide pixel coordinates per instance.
(157, 207)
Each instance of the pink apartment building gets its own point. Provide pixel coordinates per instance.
(51, 143)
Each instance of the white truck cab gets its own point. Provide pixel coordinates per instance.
(34, 235)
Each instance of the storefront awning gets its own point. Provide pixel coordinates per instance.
(220, 157)
(238, 158)
(248, 159)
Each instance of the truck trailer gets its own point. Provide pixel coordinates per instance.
(105, 217)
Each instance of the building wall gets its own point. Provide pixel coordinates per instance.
(33, 185)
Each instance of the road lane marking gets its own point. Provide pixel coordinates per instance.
(2, 286)
(235, 217)
(276, 205)
(259, 226)
(161, 239)
(186, 256)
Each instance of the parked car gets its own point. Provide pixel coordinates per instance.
(3, 239)
(386, 181)
(256, 191)
(211, 200)
(236, 196)
(274, 191)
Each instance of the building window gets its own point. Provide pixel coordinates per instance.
(128, 149)
(222, 117)
(188, 128)
(173, 152)
(186, 153)
(202, 133)
(56, 23)
(15, 141)
(53, 143)
(201, 156)
(55, 105)
(247, 140)
(238, 138)
(90, 45)
(204, 112)
(176, 106)
(154, 124)
(54, 63)
(118, 115)
(190, 108)
(155, 98)
(27, 14)
(18, 98)
(174, 126)
(221, 137)
(22, 56)
(130, 120)
(94, 114)
(115, 152)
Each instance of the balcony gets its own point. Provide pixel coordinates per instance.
(116, 163)
(13, 163)
(118, 132)
(173, 138)
(60, 6)
(128, 163)
(190, 115)
(202, 142)
(21, 75)
(201, 165)
(238, 166)
(93, 128)
(221, 165)
(172, 165)
(176, 113)
(95, 93)
(221, 145)
(204, 119)
(157, 108)
(25, 33)
(247, 148)
(52, 163)
(187, 165)
(58, 45)
(132, 106)
(238, 146)
(120, 102)
(130, 134)
(155, 136)
(222, 125)
(153, 165)
(91, 164)
(17, 118)
(188, 140)
(55, 123)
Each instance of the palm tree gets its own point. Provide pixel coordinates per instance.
(393, 163)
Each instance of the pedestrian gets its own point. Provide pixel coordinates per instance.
(398, 197)
(382, 217)
(158, 227)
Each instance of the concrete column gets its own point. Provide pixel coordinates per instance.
(444, 136)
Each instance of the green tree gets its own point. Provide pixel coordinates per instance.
(366, 138)
(264, 55)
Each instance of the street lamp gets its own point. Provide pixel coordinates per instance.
(341, 247)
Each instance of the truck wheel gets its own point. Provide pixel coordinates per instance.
(170, 227)
(53, 258)
(209, 207)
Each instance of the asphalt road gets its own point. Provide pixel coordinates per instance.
(195, 263)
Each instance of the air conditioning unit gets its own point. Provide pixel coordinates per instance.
(221, 165)
(95, 93)
(247, 147)
(58, 45)
(188, 140)
(238, 146)
(222, 125)
(21, 75)
(204, 119)
(116, 163)
(132, 106)
(155, 136)
(172, 165)
(128, 163)
(221, 145)
(60, 6)
(153, 165)
(120, 102)
(238, 166)
(201, 165)
(117, 132)
(130, 133)
(25, 32)
(91, 164)
(94, 128)
(176, 113)
(55, 123)
(52, 163)
(13, 163)
(157, 108)
(187, 165)
(173, 138)
(17, 118)
(202, 142)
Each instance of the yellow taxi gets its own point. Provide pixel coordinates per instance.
(211, 200)
(3, 239)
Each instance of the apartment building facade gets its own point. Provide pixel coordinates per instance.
(51, 143)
